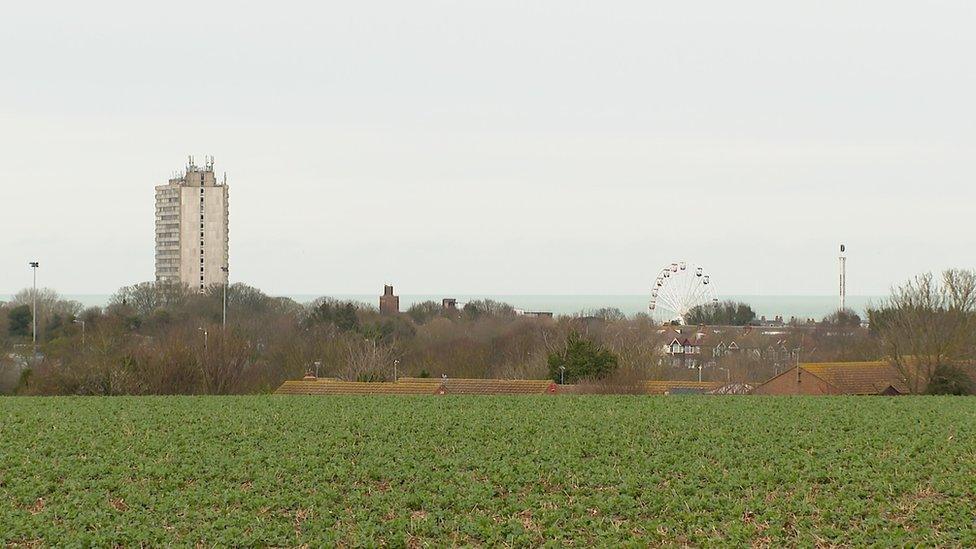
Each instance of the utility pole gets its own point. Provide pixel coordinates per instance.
(34, 265)
(797, 368)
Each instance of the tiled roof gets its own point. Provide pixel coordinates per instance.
(456, 386)
(499, 386)
(331, 387)
(857, 378)
(470, 386)
(420, 380)
(419, 386)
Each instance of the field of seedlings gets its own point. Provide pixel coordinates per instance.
(413, 471)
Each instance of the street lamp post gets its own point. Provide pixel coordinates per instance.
(562, 375)
(206, 338)
(317, 364)
(396, 362)
(34, 265)
(226, 276)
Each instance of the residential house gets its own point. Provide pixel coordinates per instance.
(835, 378)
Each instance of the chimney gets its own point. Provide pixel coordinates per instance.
(389, 303)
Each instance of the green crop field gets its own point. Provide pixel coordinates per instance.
(414, 471)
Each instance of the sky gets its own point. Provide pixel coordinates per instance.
(498, 147)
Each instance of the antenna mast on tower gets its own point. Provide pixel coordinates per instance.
(843, 277)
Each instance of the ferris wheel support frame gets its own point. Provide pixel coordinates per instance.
(679, 288)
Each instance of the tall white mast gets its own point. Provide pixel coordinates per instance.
(843, 277)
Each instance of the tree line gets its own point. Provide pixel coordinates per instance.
(155, 338)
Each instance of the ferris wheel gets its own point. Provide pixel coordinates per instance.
(679, 288)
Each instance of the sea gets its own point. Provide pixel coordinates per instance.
(770, 306)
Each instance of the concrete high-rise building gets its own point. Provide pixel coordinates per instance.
(192, 244)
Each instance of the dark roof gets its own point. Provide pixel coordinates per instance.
(686, 391)
(669, 387)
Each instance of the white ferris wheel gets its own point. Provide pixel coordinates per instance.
(679, 288)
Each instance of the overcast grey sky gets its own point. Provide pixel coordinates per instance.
(495, 147)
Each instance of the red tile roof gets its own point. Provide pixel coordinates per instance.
(332, 387)
(857, 378)
(463, 386)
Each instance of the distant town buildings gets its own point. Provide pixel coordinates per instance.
(533, 314)
(704, 346)
(389, 303)
(192, 244)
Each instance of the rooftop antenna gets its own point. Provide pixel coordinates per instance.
(843, 277)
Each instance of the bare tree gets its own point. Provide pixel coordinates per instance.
(167, 366)
(367, 358)
(49, 305)
(223, 361)
(147, 297)
(926, 324)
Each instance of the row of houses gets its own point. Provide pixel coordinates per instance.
(695, 347)
(835, 378)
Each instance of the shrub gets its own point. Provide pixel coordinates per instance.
(582, 359)
(950, 380)
(20, 321)
(371, 377)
